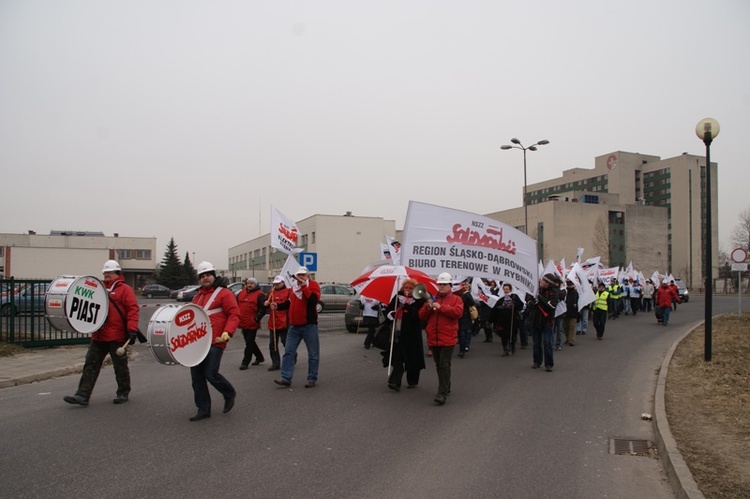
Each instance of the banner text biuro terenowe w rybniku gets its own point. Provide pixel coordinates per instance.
(439, 239)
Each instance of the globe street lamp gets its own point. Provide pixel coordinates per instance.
(518, 145)
(707, 130)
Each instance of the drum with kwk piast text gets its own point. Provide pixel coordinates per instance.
(77, 303)
(180, 334)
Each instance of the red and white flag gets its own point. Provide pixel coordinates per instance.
(284, 233)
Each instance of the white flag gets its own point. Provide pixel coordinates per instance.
(482, 293)
(585, 293)
(385, 253)
(289, 269)
(284, 233)
(395, 249)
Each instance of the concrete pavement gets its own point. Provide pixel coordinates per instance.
(41, 364)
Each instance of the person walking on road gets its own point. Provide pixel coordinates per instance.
(370, 317)
(224, 314)
(543, 321)
(251, 301)
(442, 315)
(665, 296)
(278, 304)
(601, 303)
(121, 325)
(408, 352)
(303, 326)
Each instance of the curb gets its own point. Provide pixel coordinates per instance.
(25, 380)
(680, 477)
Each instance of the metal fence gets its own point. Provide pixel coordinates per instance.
(22, 316)
(23, 321)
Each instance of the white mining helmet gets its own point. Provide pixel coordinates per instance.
(445, 278)
(111, 266)
(204, 267)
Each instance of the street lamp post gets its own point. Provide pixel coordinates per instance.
(707, 130)
(518, 145)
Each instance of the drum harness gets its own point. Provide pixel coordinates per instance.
(141, 338)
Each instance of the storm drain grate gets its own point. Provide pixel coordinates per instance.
(630, 447)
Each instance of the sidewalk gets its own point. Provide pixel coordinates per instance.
(42, 364)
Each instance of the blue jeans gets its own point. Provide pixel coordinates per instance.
(464, 339)
(583, 322)
(558, 332)
(543, 344)
(297, 334)
(208, 372)
(665, 311)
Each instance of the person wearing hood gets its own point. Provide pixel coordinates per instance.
(251, 301)
(224, 314)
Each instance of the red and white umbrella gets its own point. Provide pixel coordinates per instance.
(382, 283)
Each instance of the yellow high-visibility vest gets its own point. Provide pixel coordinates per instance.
(601, 300)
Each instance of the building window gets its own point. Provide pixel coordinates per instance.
(313, 238)
(123, 254)
(143, 254)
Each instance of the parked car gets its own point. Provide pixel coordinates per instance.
(353, 314)
(236, 287)
(27, 300)
(335, 296)
(682, 291)
(173, 293)
(151, 290)
(187, 294)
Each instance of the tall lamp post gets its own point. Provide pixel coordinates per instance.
(707, 130)
(518, 145)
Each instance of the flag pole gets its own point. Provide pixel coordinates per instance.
(393, 326)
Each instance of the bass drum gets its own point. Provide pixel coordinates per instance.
(77, 303)
(180, 334)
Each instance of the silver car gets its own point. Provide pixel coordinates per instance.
(334, 296)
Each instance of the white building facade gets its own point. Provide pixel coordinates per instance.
(38, 256)
(343, 244)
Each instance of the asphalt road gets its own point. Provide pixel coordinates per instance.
(506, 431)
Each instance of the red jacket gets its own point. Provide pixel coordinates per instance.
(278, 318)
(225, 320)
(250, 303)
(442, 325)
(664, 296)
(303, 308)
(113, 328)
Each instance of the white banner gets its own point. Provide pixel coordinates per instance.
(438, 239)
(284, 232)
(606, 275)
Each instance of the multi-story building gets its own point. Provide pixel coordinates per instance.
(46, 256)
(344, 245)
(629, 207)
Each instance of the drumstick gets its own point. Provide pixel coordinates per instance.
(123, 349)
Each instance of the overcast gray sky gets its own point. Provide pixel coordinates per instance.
(190, 118)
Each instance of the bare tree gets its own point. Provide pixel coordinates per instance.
(601, 239)
(741, 233)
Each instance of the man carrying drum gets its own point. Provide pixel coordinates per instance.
(221, 307)
(121, 325)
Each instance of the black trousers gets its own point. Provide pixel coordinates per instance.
(251, 347)
(97, 352)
